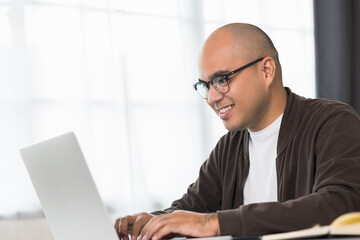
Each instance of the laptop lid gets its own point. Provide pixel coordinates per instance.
(66, 190)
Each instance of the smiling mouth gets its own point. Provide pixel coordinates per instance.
(226, 109)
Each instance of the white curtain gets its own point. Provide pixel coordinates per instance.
(119, 73)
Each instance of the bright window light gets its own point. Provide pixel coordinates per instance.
(119, 73)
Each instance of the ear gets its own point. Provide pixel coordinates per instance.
(268, 70)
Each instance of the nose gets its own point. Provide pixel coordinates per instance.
(213, 96)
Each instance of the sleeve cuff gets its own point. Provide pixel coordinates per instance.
(230, 222)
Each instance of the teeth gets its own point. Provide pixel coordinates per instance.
(225, 109)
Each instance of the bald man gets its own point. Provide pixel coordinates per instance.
(286, 163)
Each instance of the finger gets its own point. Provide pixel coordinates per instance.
(138, 225)
(117, 228)
(117, 222)
(124, 226)
(155, 227)
(136, 230)
(148, 226)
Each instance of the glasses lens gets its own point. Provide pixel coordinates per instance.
(203, 89)
(221, 84)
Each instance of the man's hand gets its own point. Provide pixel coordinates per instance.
(183, 223)
(131, 225)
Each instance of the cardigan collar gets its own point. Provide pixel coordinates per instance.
(291, 119)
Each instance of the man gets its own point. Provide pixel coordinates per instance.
(287, 162)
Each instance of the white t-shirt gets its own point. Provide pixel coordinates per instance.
(261, 183)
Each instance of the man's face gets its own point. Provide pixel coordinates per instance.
(244, 106)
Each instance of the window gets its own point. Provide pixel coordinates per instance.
(119, 73)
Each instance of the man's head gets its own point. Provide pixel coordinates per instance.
(250, 101)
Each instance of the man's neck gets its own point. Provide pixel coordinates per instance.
(277, 105)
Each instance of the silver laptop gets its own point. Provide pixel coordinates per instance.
(66, 190)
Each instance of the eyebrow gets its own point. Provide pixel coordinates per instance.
(218, 73)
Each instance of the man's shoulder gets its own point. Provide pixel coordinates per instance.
(304, 118)
(322, 108)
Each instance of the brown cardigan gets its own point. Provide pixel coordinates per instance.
(318, 172)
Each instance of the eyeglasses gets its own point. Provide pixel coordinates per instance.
(220, 82)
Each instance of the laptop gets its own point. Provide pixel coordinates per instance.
(66, 190)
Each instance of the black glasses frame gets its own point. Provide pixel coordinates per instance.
(225, 77)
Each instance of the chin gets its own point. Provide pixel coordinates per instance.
(232, 127)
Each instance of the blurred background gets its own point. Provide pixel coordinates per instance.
(119, 73)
